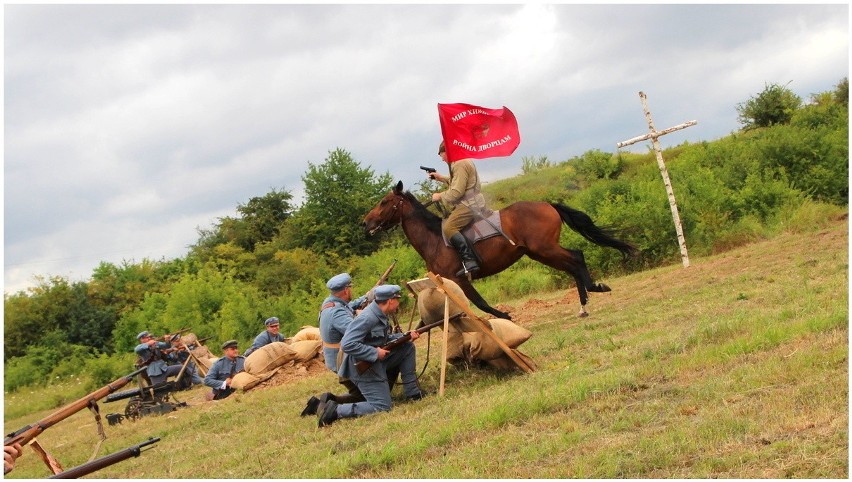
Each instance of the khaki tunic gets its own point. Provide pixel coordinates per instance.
(462, 197)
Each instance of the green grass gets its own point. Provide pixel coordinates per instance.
(736, 367)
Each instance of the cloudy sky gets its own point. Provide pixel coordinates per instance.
(127, 127)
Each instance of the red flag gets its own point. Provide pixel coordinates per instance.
(476, 132)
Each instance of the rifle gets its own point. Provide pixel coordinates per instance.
(30, 432)
(429, 170)
(364, 365)
(104, 461)
(171, 337)
(382, 279)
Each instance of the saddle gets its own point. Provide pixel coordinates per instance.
(480, 229)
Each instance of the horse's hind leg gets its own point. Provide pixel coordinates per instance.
(573, 263)
(584, 271)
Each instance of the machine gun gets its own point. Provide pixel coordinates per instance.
(151, 399)
(104, 461)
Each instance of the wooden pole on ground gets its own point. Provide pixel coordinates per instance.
(654, 135)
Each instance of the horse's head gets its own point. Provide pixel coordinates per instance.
(386, 213)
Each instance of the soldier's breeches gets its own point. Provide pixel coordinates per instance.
(376, 392)
(457, 220)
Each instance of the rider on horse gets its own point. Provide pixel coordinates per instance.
(463, 199)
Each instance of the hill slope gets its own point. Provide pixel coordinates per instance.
(736, 367)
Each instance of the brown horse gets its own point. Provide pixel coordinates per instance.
(533, 226)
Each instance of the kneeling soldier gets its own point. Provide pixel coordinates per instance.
(364, 337)
(222, 372)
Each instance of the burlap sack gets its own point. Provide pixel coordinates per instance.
(202, 352)
(244, 381)
(506, 363)
(512, 334)
(306, 349)
(189, 339)
(269, 357)
(306, 333)
(480, 346)
(430, 302)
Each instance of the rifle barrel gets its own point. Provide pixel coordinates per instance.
(105, 461)
(26, 434)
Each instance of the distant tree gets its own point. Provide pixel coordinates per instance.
(841, 92)
(260, 220)
(263, 216)
(532, 164)
(775, 105)
(596, 164)
(338, 193)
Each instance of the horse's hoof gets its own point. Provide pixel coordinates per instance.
(602, 288)
(583, 314)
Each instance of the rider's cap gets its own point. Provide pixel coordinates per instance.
(271, 321)
(386, 292)
(142, 335)
(339, 282)
(229, 344)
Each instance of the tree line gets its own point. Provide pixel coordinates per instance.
(787, 166)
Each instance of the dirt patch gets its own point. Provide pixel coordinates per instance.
(293, 371)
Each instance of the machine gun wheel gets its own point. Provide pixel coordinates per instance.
(133, 411)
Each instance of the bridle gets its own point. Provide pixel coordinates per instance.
(381, 226)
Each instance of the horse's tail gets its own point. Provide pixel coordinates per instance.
(583, 225)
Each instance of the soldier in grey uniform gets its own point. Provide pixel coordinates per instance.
(336, 313)
(222, 372)
(364, 337)
(152, 352)
(270, 335)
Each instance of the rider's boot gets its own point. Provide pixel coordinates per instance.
(468, 257)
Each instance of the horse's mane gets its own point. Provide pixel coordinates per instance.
(432, 221)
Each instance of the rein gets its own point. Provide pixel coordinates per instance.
(385, 221)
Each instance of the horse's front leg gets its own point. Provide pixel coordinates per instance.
(478, 300)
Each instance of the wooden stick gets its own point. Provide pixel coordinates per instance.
(444, 351)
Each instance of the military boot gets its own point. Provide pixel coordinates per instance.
(468, 257)
(328, 415)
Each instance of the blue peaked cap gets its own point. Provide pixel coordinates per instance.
(338, 282)
(386, 292)
(271, 321)
(142, 335)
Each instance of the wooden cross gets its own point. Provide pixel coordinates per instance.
(654, 135)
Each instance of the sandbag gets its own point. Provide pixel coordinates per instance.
(202, 352)
(306, 333)
(269, 357)
(480, 346)
(430, 302)
(506, 363)
(244, 381)
(306, 349)
(511, 334)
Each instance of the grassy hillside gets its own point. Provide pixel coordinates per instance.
(736, 367)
